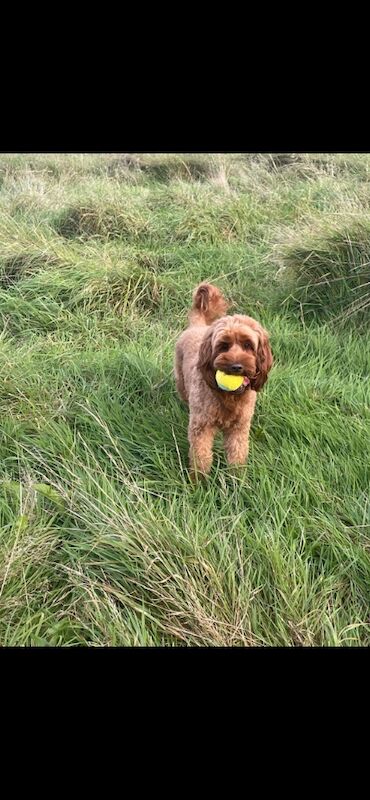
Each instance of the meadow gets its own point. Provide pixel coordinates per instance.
(104, 541)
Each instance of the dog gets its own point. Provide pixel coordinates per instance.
(236, 345)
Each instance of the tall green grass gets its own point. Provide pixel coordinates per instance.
(328, 269)
(103, 540)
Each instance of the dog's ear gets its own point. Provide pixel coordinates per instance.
(264, 361)
(205, 364)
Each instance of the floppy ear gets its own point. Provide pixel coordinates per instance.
(264, 361)
(205, 359)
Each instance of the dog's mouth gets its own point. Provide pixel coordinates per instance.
(243, 386)
(246, 381)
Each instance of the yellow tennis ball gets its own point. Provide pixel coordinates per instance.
(228, 382)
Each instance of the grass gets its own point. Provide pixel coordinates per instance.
(328, 267)
(103, 540)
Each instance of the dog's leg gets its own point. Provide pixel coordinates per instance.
(236, 438)
(200, 453)
(179, 376)
(236, 441)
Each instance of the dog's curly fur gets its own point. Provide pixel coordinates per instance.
(214, 341)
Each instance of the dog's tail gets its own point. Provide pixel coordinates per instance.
(208, 304)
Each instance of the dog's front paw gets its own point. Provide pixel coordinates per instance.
(197, 477)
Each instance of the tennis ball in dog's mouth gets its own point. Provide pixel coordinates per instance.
(228, 382)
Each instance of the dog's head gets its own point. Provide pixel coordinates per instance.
(236, 345)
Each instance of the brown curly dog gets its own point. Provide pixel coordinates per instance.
(236, 345)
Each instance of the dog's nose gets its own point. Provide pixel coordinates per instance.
(237, 368)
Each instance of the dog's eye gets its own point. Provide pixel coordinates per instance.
(224, 346)
(248, 346)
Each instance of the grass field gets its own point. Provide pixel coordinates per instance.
(103, 539)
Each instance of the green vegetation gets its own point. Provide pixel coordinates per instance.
(103, 540)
